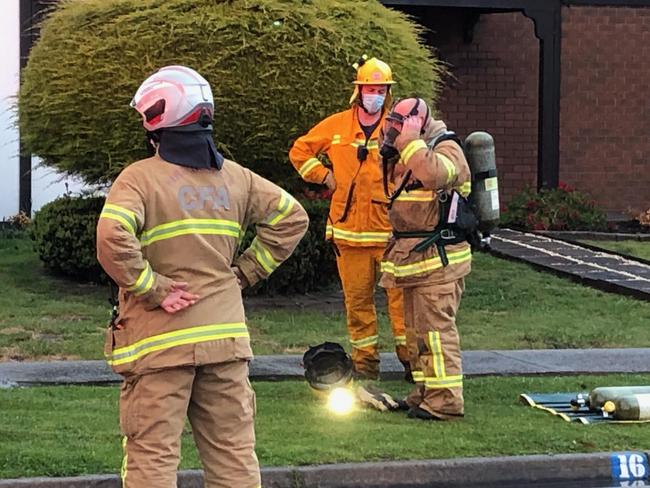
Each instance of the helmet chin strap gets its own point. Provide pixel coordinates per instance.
(360, 103)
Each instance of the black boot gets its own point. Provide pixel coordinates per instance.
(420, 413)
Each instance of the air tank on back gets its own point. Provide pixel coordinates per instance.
(479, 148)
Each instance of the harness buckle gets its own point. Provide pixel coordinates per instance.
(447, 234)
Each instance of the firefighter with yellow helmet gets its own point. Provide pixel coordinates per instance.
(358, 223)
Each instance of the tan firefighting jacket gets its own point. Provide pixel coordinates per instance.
(164, 222)
(358, 212)
(443, 168)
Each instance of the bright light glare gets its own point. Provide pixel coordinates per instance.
(341, 401)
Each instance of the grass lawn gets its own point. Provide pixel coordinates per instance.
(59, 431)
(506, 306)
(633, 248)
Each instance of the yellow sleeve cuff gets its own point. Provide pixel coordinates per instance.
(411, 148)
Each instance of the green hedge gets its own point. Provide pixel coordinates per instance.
(276, 67)
(64, 233)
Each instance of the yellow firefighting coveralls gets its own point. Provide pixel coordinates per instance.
(432, 292)
(163, 222)
(358, 225)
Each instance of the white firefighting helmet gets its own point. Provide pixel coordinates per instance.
(174, 96)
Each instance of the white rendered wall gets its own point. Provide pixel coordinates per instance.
(9, 68)
(46, 184)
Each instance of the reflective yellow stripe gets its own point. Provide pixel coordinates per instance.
(122, 215)
(416, 196)
(336, 139)
(125, 460)
(308, 166)
(435, 346)
(418, 376)
(411, 148)
(263, 256)
(455, 381)
(449, 166)
(193, 335)
(144, 282)
(400, 340)
(347, 235)
(430, 264)
(365, 342)
(284, 207)
(190, 226)
(362, 142)
(465, 189)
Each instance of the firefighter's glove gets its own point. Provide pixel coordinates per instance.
(370, 397)
(411, 130)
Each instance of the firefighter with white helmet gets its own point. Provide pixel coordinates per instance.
(168, 235)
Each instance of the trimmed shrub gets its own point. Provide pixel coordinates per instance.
(276, 67)
(562, 208)
(64, 235)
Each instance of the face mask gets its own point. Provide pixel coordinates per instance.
(373, 103)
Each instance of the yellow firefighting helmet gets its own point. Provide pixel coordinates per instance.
(327, 366)
(371, 72)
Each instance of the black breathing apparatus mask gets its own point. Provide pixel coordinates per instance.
(388, 151)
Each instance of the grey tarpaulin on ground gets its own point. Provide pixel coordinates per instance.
(448, 473)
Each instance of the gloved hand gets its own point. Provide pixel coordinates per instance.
(411, 128)
(371, 397)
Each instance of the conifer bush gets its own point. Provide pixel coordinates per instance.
(275, 66)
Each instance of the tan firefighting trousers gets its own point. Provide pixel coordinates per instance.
(359, 271)
(434, 348)
(220, 404)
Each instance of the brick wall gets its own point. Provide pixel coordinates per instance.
(605, 105)
(495, 87)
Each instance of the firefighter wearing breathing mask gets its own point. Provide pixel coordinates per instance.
(425, 257)
(357, 223)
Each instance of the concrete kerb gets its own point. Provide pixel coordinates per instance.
(447, 473)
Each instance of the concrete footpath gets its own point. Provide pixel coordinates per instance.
(283, 367)
(593, 470)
